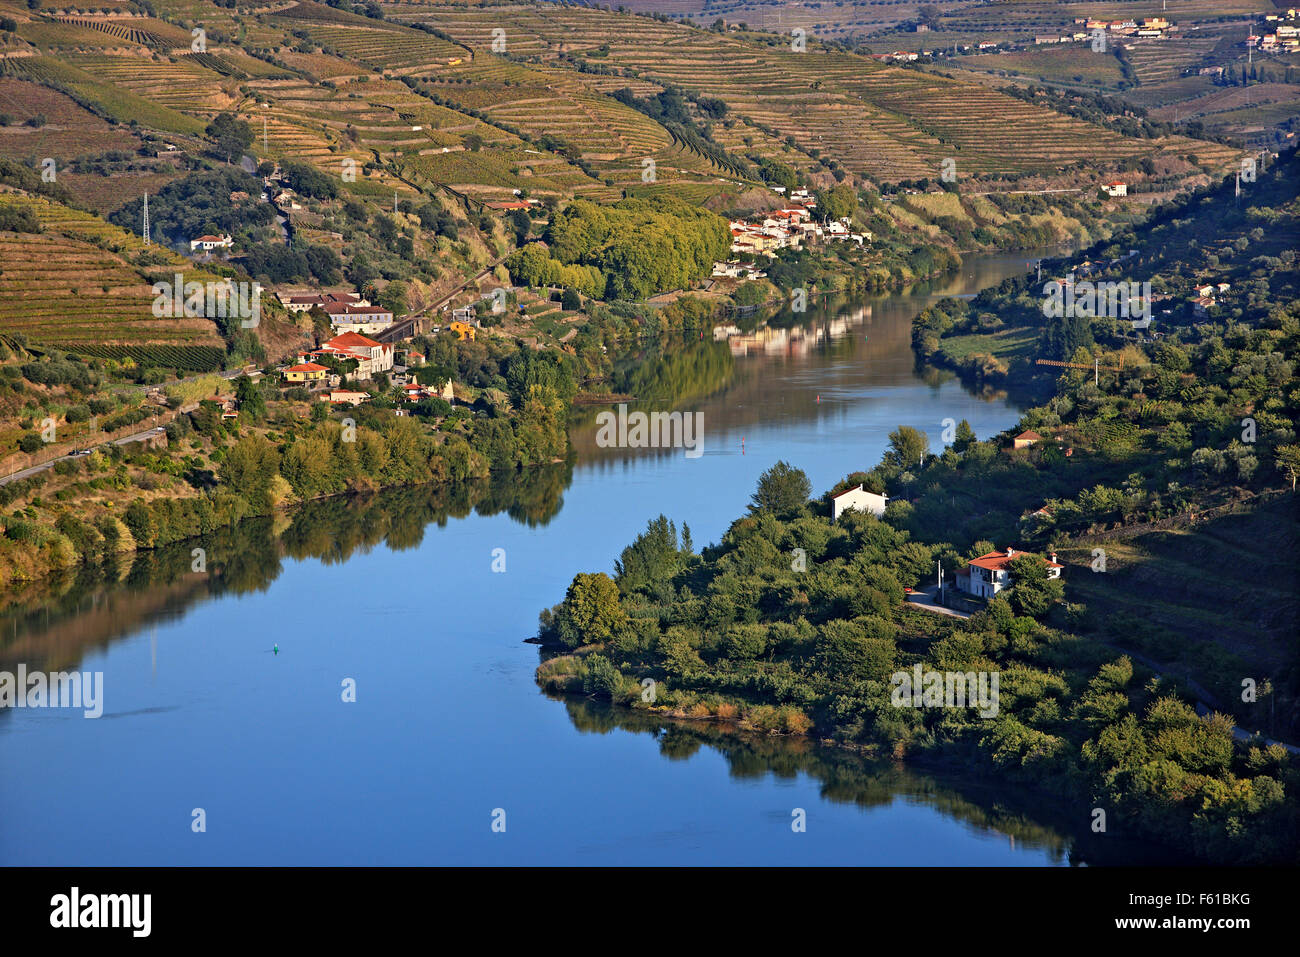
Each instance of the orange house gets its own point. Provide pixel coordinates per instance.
(1026, 439)
(463, 331)
(306, 372)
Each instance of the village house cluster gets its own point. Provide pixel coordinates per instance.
(1150, 27)
(789, 228)
(371, 357)
(1285, 33)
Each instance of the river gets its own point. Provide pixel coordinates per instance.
(223, 691)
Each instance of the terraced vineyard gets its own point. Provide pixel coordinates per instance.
(116, 101)
(1160, 61)
(487, 98)
(147, 31)
(74, 284)
(1073, 65)
(182, 83)
(376, 44)
(879, 121)
(69, 129)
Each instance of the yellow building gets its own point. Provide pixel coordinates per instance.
(306, 372)
(463, 331)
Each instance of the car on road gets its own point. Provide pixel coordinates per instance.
(80, 452)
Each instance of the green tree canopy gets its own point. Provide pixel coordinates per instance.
(230, 135)
(782, 490)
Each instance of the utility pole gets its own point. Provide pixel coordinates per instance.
(1096, 372)
(145, 230)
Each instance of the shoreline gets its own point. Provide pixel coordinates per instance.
(950, 767)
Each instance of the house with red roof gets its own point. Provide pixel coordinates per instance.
(306, 372)
(987, 575)
(372, 357)
(1026, 439)
(208, 243)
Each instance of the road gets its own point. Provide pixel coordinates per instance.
(25, 473)
(924, 598)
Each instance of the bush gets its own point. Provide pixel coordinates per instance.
(602, 678)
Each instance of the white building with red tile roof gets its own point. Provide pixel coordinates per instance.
(373, 357)
(987, 575)
(208, 243)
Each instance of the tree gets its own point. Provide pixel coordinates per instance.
(393, 297)
(652, 560)
(907, 446)
(837, 202)
(965, 437)
(1032, 591)
(1288, 462)
(249, 468)
(521, 223)
(251, 401)
(590, 612)
(230, 135)
(782, 490)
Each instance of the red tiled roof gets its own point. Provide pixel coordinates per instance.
(1029, 434)
(307, 367)
(996, 561)
(349, 339)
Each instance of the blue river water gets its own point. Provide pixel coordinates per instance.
(232, 703)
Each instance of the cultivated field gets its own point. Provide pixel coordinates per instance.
(76, 283)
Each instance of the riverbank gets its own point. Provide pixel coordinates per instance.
(1024, 814)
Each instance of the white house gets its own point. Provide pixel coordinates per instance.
(1116, 189)
(858, 498)
(209, 243)
(987, 575)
